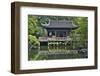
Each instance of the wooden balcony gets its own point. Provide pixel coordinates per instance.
(46, 39)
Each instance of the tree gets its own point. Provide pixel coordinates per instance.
(33, 41)
(83, 26)
(80, 35)
(35, 31)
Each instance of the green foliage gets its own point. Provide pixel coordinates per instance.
(33, 41)
(83, 27)
(80, 35)
(45, 19)
(32, 24)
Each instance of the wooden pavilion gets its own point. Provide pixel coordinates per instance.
(57, 31)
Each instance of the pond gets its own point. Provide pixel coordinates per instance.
(55, 51)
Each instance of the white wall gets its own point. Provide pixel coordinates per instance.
(5, 42)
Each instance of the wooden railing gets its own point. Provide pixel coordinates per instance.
(54, 38)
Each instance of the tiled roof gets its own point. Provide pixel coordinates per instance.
(60, 24)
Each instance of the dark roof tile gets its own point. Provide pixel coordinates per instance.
(60, 24)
